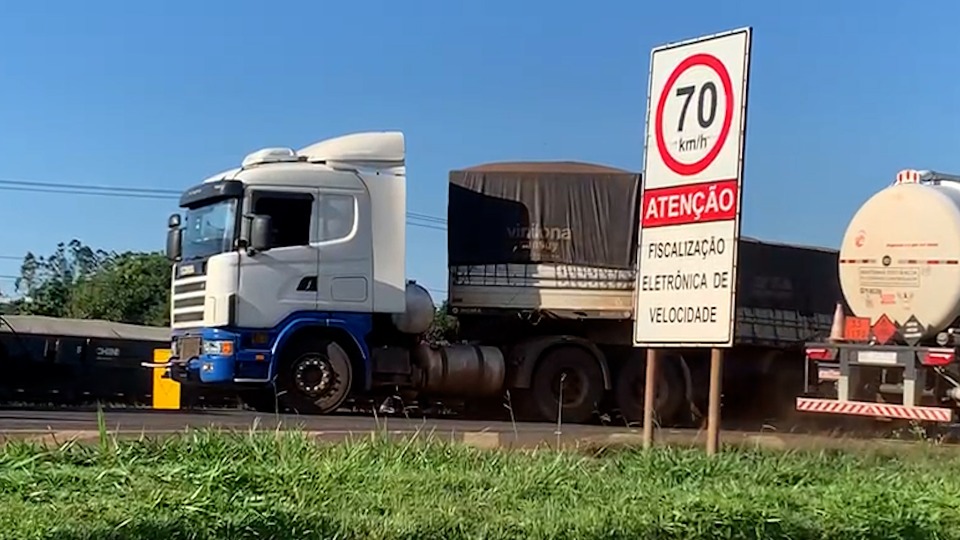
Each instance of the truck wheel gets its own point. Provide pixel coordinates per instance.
(630, 385)
(582, 385)
(315, 377)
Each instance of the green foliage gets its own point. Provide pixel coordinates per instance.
(284, 485)
(80, 282)
(444, 328)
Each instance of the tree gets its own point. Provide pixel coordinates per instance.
(131, 287)
(79, 282)
(444, 327)
(48, 283)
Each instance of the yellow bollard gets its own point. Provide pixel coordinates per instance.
(166, 392)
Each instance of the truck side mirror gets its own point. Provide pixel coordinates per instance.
(174, 243)
(260, 233)
(173, 222)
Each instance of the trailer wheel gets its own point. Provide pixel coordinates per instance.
(631, 383)
(570, 374)
(315, 376)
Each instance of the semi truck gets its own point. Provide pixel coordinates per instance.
(289, 284)
(892, 350)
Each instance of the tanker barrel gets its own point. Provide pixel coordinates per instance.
(900, 255)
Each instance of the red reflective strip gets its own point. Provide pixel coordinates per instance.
(820, 354)
(928, 261)
(938, 357)
(858, 261)
(859, 408)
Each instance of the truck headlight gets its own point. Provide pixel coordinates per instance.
(218, 347)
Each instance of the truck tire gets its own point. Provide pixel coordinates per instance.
(630, 385)
(582, 385)
(315, 376)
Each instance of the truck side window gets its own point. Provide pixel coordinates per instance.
(290, 215)
(337, 216)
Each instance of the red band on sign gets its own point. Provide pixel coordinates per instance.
(692, 203)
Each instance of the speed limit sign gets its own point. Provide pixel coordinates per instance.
(693, 172)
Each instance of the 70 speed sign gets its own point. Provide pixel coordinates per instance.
(692, 178)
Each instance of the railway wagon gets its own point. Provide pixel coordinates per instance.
(74, 361)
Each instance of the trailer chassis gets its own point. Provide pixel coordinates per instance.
(860, 375)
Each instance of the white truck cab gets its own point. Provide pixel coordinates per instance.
(292, 250)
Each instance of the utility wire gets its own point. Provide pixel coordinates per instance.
(9, 184)
(58, 185)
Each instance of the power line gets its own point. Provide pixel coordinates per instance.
(155, 196)
(426, 217)
(8, 184)
(60, 185)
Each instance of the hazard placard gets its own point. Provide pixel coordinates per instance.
(690, 218)
(856, 329)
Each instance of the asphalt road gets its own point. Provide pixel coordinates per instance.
(59, 426)
(150, 421)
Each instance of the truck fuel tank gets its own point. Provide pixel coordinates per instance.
(460, 370)
(419, 312)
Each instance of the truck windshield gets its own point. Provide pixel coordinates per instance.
(209, 229)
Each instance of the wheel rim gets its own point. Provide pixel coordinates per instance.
(313, 375)
(323, 379)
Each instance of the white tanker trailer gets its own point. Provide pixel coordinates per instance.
(892, 352)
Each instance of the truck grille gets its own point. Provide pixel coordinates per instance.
(186, 303)
(188, 347)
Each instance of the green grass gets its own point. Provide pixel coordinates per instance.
(271, 485)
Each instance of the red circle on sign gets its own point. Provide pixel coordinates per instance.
(717, 66)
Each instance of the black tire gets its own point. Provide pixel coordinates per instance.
(315, 376)
(582, 387)
(630, 385)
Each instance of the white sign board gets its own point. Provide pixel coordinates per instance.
(690, 218)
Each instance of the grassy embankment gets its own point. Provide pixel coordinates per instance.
(272, 485)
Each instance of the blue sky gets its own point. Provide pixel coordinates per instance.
(163, 94)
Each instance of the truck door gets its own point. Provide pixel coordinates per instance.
(344, 239)
(276, 283)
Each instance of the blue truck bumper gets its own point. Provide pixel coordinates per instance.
(216, 356)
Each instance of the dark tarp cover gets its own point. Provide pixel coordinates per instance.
(790, 277)
(543, 212)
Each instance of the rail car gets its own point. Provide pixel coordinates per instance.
(57, 361)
